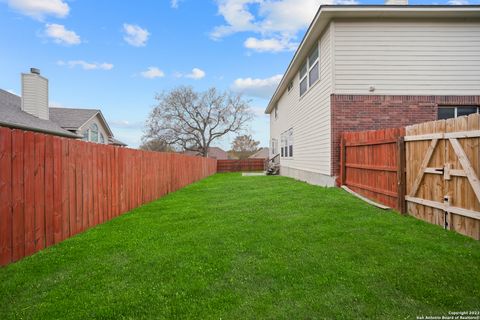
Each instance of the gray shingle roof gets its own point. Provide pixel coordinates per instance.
(11, 115)
(260, 154)
(71, 119)
(117, 142)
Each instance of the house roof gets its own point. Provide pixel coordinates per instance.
(12, 116)
(260, 154)
(117, 142)
(74, 119)
(213, 152)
(218, 153)
(326, 13)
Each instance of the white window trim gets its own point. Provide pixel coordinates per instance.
(455, 109)
(286, 140)
(274, 146)
(309, 68)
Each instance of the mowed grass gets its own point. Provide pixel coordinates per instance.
(232, 247)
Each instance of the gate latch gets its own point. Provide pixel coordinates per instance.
(446, 171)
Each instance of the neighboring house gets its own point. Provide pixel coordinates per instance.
(262, 153)
(32, 112)
(213, 152)
(371, 67)
(232, 155)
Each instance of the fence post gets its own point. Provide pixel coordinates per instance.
(401, 178)
(343, 157)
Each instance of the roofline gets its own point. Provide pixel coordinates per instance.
(98, 112)
(27, 128)
(359, 8)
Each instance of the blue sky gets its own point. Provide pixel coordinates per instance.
(116, 55)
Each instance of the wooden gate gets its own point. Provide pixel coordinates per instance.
(442, 169)
(372, 165)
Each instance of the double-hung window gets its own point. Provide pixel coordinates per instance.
(303, 79)
(286, 146)
(309, 72)
(290, 142)
(274, 147)
(282, 142)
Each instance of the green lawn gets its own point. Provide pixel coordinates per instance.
(232, 247)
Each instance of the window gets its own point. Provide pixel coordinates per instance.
(286, 146)
(282, 146)
(313, 75)
(274, 146)
(276, 112)
(94, 132)
(453, 112)
(309, 72)
(303, 79)
(86, 135)
(290, 142)
(102, 139)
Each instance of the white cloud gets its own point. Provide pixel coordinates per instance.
(174, 3)
(237, 15)
(269, 45)
(285, 17)
(61, 35)
(458, 2)
(152, 73)
(260, 88)
(126, 124)
(196, 74)
(135, 35)
(278, 22)
(38, 9)
(86, 65)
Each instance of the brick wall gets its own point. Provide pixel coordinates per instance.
(370, 112)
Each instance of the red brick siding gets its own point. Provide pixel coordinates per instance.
(370, 112)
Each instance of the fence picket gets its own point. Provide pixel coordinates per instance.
(241, 165)
(6, 196)
(53, 188)
(18, 217)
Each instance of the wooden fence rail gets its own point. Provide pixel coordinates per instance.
(241, 165)
(443, 170)
(429, 170)
(52, 188)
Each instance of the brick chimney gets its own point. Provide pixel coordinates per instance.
(35, 94)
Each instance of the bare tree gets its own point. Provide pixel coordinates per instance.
(191, 121)
(244, 146)
(157, 144)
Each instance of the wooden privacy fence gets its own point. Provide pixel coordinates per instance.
(371, 165)
(52, 188)
(241, 165)
(431, 173)
(443, 169)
